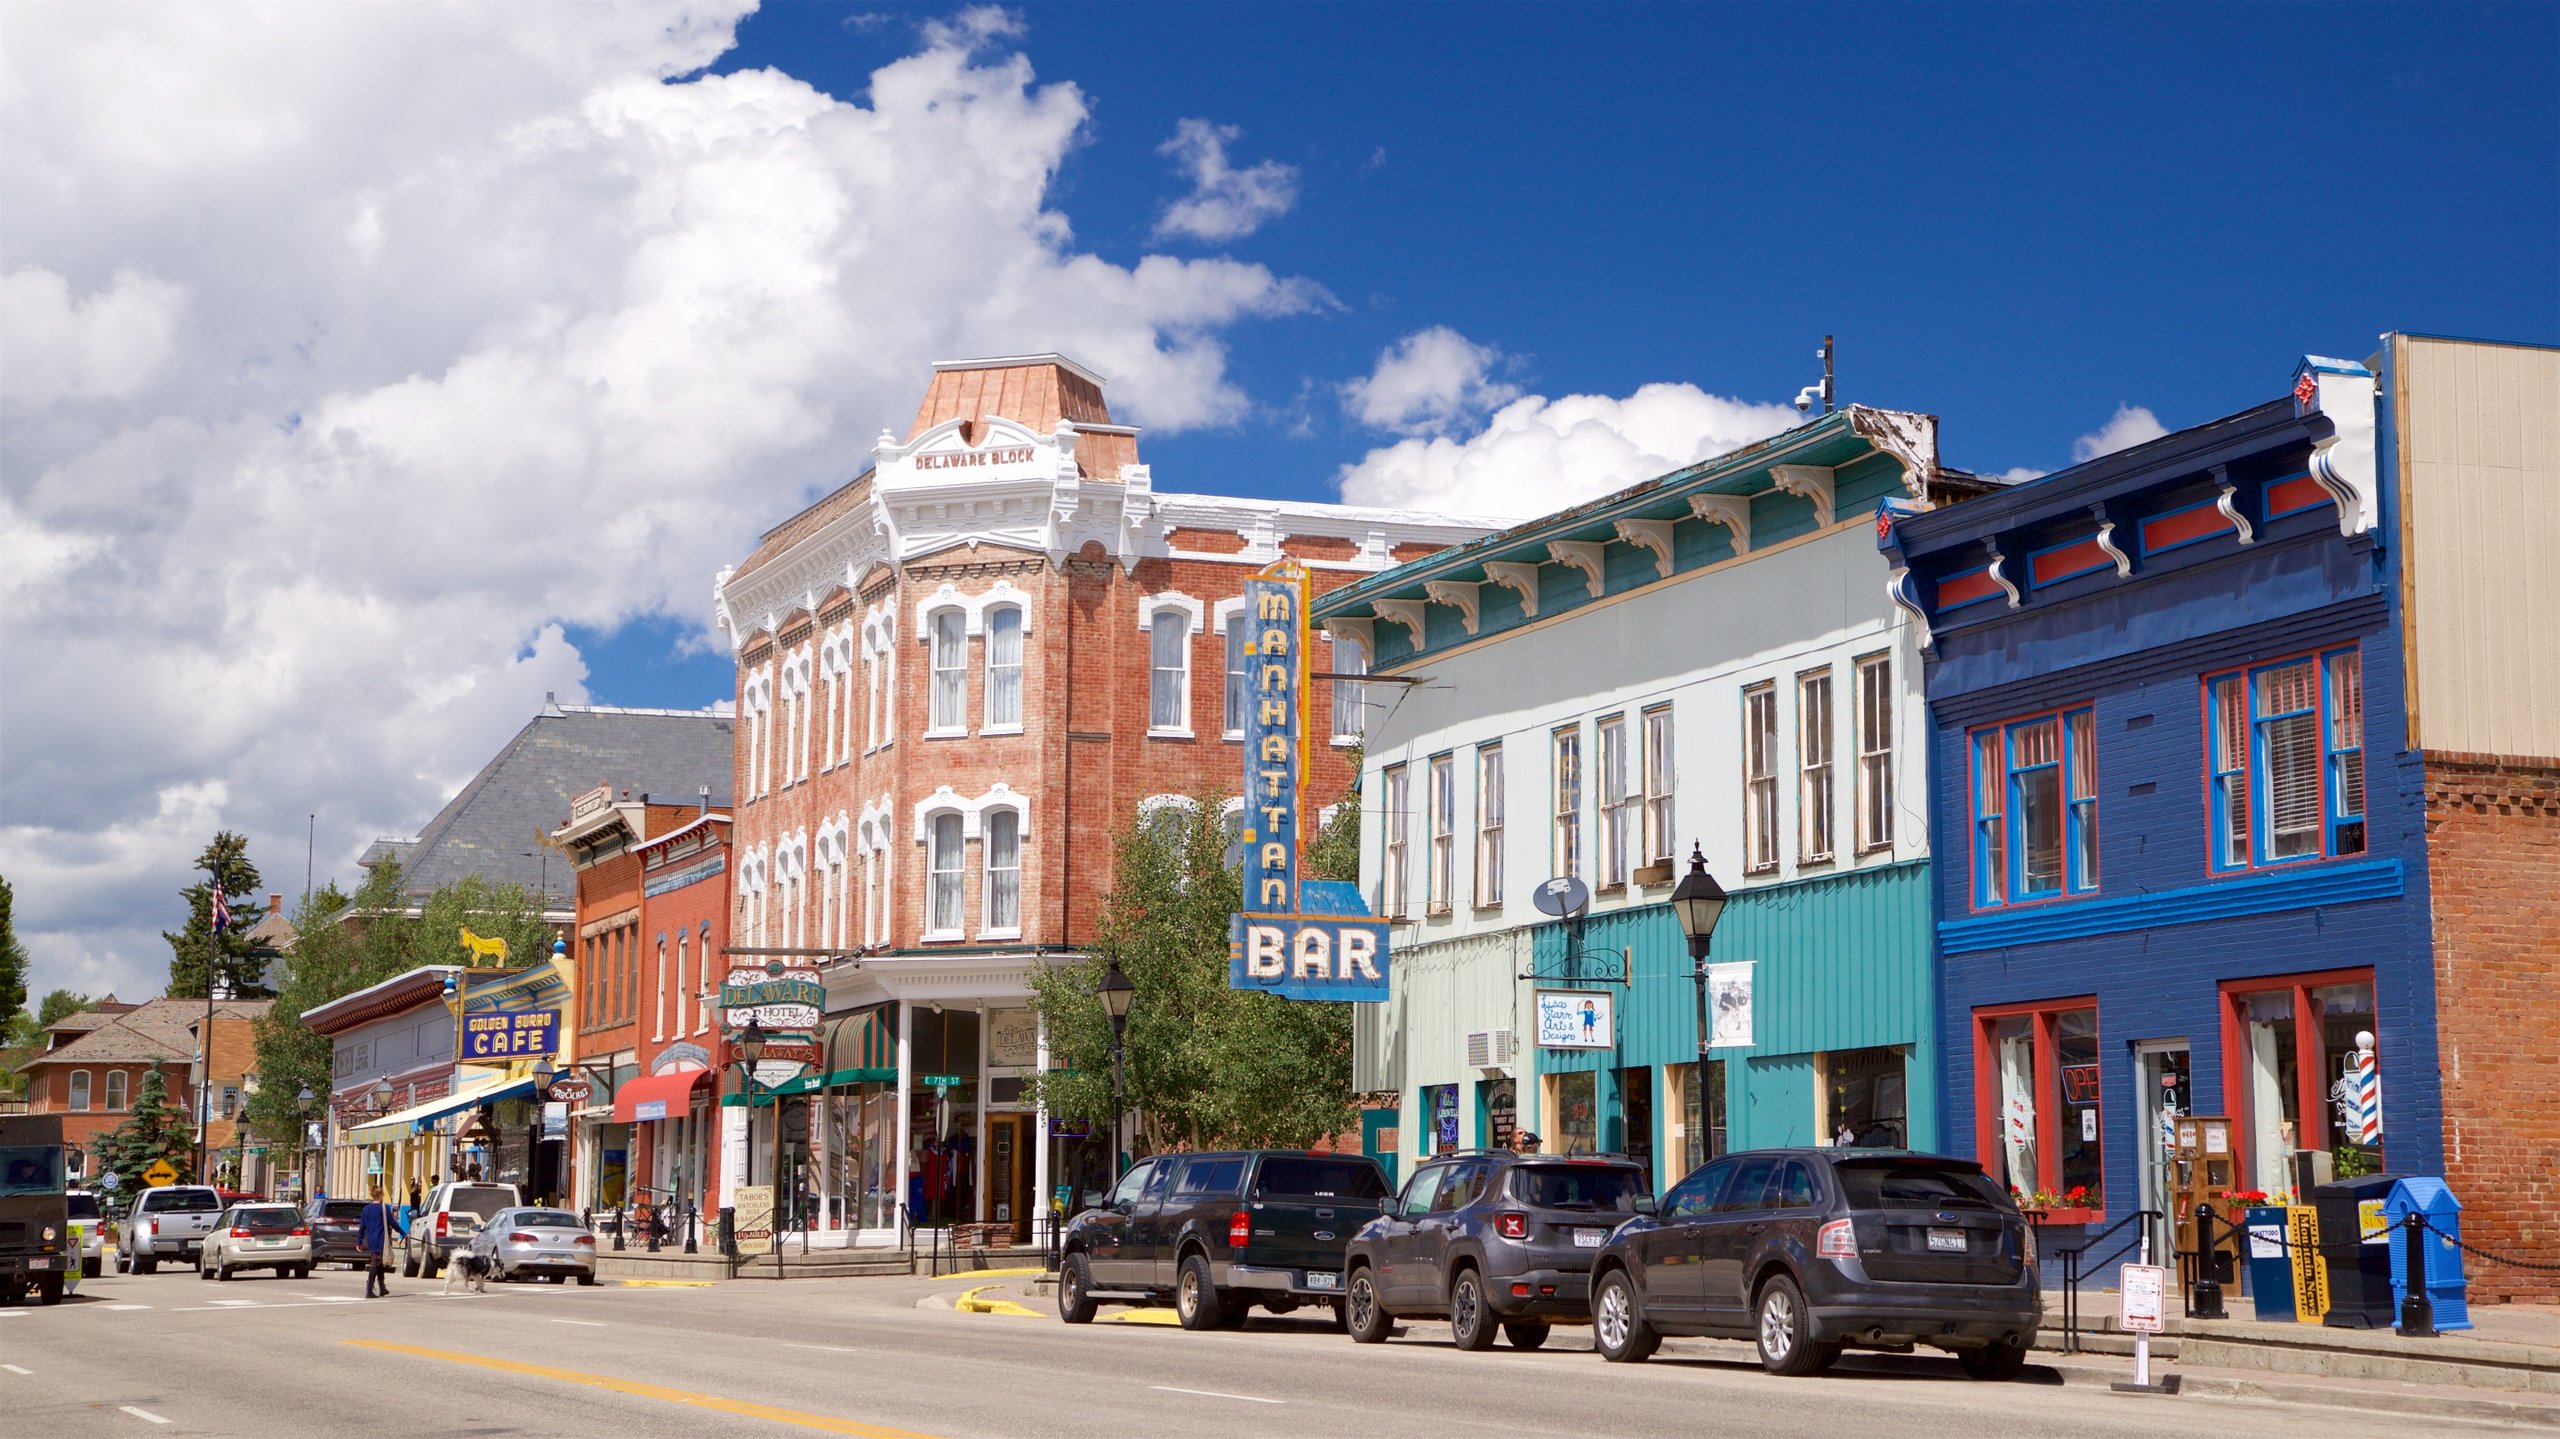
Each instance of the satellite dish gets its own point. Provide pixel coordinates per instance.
(1564, 897)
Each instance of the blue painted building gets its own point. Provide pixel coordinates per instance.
(2180, 832)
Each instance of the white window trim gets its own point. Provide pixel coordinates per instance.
(972, 812)
(933, 672)
(986, 873)
(1337, 635)
(1149, 606)
(968, 828)
(1863, 739)
(1225, 612)
(1490, 860)
(987, 670)
(880, 691)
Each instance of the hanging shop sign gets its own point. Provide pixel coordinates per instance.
(1311, 939)
(1729, 1003)
(572, 1089)
(518, 1035)
(787, 1004)
(1577, 1019)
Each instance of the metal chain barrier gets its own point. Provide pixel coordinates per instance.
(2478, 1253)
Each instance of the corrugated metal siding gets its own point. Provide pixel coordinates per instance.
(1843, 963)
(2480, 431)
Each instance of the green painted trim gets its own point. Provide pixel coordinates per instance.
(810, 1084)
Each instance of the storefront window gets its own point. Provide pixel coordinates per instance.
(2271, 1086)
(1635, 1105)
(2039, 1119)
(2290, 1085)
(1577, 1110)
(942, 1134)
(1500, 1111)
(1440, 1102)
(1866, 1092)
(2346, 1011)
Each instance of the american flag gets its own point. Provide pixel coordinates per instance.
(221, 909)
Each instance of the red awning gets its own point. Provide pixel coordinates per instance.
(657, 1096)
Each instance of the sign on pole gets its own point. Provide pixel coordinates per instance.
(2145, 1288)
(1299, 940)
(160, 1175)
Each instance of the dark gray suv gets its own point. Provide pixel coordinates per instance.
(1810, 1251)
(1493, 1240)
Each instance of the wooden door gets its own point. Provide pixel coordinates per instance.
(1009, 1196)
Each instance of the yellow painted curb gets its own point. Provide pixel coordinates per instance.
(1146, 1316)
(990, 1273)
(970, 1303)
(665, 1283)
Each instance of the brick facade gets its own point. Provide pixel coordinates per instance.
(2493, 838)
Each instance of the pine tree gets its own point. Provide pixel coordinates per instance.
(13, 959)
(156, 1130)
(236, 964)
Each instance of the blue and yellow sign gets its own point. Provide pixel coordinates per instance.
(1310, 940)
(521, 1034)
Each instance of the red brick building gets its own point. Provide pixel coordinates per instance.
(958, 674)
(92, 1067)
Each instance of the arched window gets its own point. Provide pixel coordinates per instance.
(1003, 851)
(1004, 667)
(948, 698)
(116, 1099)
(943, 877)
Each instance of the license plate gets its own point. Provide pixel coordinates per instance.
(40, 1262)
(1590, 1238)
(1319, 1280)
(1949, 1241)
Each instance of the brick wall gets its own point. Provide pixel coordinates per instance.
(2493, 836)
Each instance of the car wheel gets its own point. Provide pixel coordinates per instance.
(203, 1273)
(92, 1268)
(1363, 1316)
(222, 1272)
(1471, 1320)
(1525, 1333)
(1618, 1327)
(49, 1289)
(428, 1268)
(1996, 1360)
(1075, 1290)
(1195, 1298)
(1786, 1346)
(586, 1281)
(146, 1266)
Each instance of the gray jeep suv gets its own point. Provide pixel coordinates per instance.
(1493, 1240)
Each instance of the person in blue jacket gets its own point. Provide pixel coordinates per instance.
(374, 1227)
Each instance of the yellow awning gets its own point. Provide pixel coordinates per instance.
(391, 1128)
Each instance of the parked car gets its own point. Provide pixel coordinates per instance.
(1492, 1240)
(337, 1232)
(258, 1235)
(1216, 1234)
(85, 1207)
(1810, 1251)
(544, 1243)
(169, 1223)
(450, 1214)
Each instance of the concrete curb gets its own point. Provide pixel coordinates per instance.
(2334, 1396)
(973, 1302)
(984, 1274)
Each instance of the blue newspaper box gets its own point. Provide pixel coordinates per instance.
(2270, 1263)
(2446, 1287)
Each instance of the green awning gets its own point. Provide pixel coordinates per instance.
(811, 1083)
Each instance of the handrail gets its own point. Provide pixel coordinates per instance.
(2075, 1267)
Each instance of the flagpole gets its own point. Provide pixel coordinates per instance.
(204, 1041)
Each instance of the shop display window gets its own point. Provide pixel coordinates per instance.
(2039, 1119)
(1702, 1131)
(1866, 1101)
(2289, 1081)
(1575, 1103)
(1635, 1109)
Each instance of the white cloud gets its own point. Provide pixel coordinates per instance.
(1225, 203)
(2129, 426)
(365, 348)
(1536, 455)
(2019, 475)
(1426, 382)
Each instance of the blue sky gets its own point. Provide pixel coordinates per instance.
(2016, 217)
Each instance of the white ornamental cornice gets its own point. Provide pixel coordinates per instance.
(838, 554)
(1909, 437)
(1731, 511)
(1520, 579)
(1811, 481)
(1458, 595)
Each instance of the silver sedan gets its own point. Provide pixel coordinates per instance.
(548, 1242)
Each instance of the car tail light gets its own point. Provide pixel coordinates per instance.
(1519, 1291)
(587, 1239)
(239, 1233)
(2030, 1233)
(1239, 1230)
(151, 1226)
(1511, 1226)
(302, 1233)
(1838, 1240)
(443, 1221)
(521, 1237)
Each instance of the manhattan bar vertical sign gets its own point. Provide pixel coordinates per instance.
(1310, 939)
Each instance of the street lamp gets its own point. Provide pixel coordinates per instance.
(1115, 991)
(1699, 902)
(750, 1052)
(302, 1120)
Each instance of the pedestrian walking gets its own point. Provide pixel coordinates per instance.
(374, 1228)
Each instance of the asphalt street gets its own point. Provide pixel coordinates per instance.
(889, 1358)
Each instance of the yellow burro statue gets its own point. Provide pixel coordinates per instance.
(483, 947)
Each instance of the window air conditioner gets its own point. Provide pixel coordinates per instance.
(1488, 1048)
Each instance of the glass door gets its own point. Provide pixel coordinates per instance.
(2160, 1078)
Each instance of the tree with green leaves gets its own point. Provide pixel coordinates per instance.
(233, 962)
(1207, 1066)
(349, 942)
(155, 1130)
(60, 1002)
(13, 958)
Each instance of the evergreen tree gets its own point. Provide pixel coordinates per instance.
(156, 1130)
(235, 963)
(13, 959)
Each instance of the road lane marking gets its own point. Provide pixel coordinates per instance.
(14, 1369)
(339, 1299)
(231, 1304)
(824, 1423)
(583, 1323)
(125, 1308)
(144, 1415)
(1214, 1394)
(824, 1348)
(13, 1313)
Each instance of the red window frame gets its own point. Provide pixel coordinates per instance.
(2311, 1089)
(2047, 1014)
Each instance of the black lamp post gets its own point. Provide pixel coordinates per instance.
(1115, 991)
(1699, 902)
(544, 1071)
(302, 1117)
(750, 1053)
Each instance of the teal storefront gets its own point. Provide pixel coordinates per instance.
(1843, 1026)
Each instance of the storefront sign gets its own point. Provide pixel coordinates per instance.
(516, 1035)
(1577, 1019)
(2080, 1083)
(1310, 940)
(787, 1004)
(2310, 1271)
(1729, 1004)
(677, 879)
(572, 1089)
(754, 1217)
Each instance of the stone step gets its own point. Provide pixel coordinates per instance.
(831, 1264)
(2374, 1354)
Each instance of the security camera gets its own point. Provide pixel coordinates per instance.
(1806, 396)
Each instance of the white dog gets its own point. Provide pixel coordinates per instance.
(468, 1270)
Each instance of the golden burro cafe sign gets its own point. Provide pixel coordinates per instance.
(514, 1018)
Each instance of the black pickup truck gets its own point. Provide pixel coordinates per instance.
(36, 1252)
(1216, 1234)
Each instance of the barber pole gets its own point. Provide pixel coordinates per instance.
(2367, 1074)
